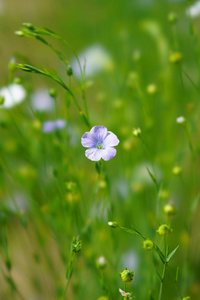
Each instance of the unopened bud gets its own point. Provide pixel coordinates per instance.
(28, 25)
(136, 55)
(76, 245)
(172, 17)
(101, 263)
(127, 275)
(169, 210)
(19, 33)
(137, 132)
(69, 71)
(17, 80)
(175, 57)
(151, 89)
(52, 92)
(113, 224)
(12, 65)
(177, 170)
(164, 229)
(148, 245)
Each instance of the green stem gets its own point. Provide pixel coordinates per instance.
(161, 284)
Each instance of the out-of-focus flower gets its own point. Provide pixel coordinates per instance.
(97, 60)
(50, 126)
(101, 263)
(169, 210)
(12, 95)
(124, 294)
(181, 120)
(175, 57)
(130, 259)
(42, 101)
(100, 142)
(151, 89)
(194, 10)
(177, 170)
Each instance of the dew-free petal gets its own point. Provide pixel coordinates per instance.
(108, 153)
(48, 126)
(99, 132)
(93, 154)
(60, 123)
(88, 140)
(110, 140)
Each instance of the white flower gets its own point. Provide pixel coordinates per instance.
(13, 94)
(181, 120)
(124, 294)
(97, 60)
(194, 10)
(41, 101)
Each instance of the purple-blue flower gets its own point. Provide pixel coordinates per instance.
(100, 142)
(50, 126)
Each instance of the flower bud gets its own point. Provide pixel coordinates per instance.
(12, 65)
(175, 57)
(103, 298)
(101, 263)
(164, 229)
(164, 194)
(127, 275)
(52, 92)
(71, 186)
(28, 25)
(69, 71)
(148, 245)
(136, 55)
(137, 132)
(113, 224)
(169, 210)
(17, 80)
(19, 33)
(187, 298)
(177, 170)
(172, 17)
(151, 89)
(76, 245)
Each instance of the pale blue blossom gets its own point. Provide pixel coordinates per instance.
(97, 60)
(100, 142)
(50, 126)
(42, 101)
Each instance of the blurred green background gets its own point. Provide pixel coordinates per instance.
(39, 214)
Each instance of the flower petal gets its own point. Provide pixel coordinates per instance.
(93, 154)
(48, 126)
(88, 140)
(110, 140)
(59, 124)
(99, 132)
(108, 153)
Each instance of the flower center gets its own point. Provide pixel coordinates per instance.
(99, 145)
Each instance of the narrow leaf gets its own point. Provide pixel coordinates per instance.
(171, 254)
